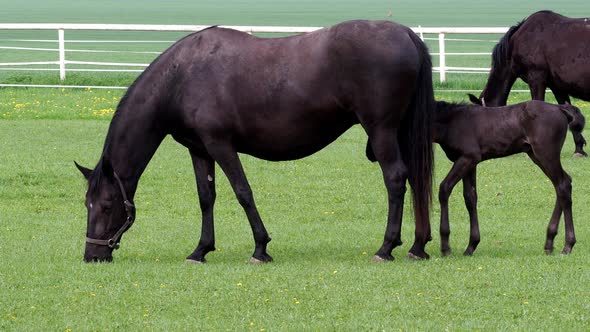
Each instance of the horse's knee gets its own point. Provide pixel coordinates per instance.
(245, 197)
(395, 181)
(207, 199)
(444, 191)
(470, 195)
(564, 190)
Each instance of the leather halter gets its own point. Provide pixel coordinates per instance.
(113, 242)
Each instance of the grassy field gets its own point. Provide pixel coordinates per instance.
(326, 213)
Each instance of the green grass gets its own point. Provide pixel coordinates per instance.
(326, 213)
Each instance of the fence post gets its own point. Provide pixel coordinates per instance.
(441, 56)
(62, 54)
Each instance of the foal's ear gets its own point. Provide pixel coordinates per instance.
(474, 99)
(85, 171)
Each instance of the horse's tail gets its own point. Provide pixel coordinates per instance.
(576, 119)
(502, 50)
(415, 139)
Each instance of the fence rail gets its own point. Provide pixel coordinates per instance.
(62, 62)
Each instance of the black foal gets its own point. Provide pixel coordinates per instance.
(469, 134)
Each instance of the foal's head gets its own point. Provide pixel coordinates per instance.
(109, 212)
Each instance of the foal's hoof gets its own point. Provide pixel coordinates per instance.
(418, 257)
(262, 259)
(580, 154)
(193, 261)
(445, 252)
(256, 261)
(549, 252)
(468, 252)
(380, 259)
(566, 251)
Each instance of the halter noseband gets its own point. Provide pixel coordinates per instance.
(113, 242)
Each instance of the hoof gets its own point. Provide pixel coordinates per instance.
(548, 252)
(580, 154)
(566, 251)
(416, 257)
(379, 259)
(468, 252)
(446, 253)
(256, 261)
(192, 261)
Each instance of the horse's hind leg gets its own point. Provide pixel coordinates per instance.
(386, 150)
(562, 182)
(204, 168)
(460, 168)
(227, 158)
(470, 197)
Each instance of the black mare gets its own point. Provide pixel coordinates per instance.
(546, 50)
(220, 92)
(469, 134)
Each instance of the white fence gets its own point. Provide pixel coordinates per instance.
(62, 62)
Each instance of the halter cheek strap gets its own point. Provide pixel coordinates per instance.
(113, 242)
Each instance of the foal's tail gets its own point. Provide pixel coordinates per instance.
(576, 119)
(415, 139)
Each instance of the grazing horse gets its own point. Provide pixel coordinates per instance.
(546, 50)
(220, 92)
(469, 134)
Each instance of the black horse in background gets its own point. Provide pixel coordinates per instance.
(469, 134)
(220, 92)
(546, 50)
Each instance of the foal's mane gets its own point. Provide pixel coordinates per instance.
(444, 106)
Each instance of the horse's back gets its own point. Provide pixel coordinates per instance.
(557, 45)
(292, 95)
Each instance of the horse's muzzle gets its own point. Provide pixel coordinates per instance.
(94, 253)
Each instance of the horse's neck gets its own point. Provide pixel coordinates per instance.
(132, 140)
(498, 87)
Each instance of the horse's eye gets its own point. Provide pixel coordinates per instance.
(107, 209)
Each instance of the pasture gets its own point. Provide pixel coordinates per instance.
(326, 213)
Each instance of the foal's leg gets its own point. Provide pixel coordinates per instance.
(579, 141)
(460, 168)
(470, 197)
(551, 166)
(386, 149)
(204, 168)
(227, 158)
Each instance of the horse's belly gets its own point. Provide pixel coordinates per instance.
(290, 143)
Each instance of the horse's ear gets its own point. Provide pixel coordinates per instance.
(107, 167)
(474, 99)
(85, 171)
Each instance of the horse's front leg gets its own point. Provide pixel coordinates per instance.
(457, 172)
(537, 83)
(227, 158)
(470, 197)
(386, 150)
(204, 168)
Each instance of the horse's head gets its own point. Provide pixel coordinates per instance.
(110, 213)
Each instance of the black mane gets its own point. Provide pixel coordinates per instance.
(444, 106)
